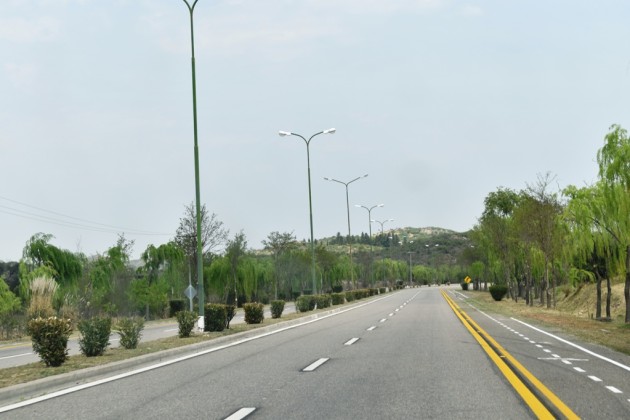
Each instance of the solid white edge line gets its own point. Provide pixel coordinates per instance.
(621, 365)
(351, 341)
(315, 364)
(15, 355)
(242, 413)
(172, 361)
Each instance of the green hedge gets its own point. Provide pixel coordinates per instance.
(215, 317)
(277, 307)
(322, 301)
(94, 337)
(254, 313)
(50, 339)
(305, 303)
(338, 298)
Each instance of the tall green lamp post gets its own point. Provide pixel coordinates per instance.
(200, 291)
(348, 210)
(310, 201)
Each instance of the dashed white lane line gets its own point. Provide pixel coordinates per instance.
(315, 364)
(392, 314)
(579, 369)
(594, 378)
(241, 414)
(351, 341)
(383, 320)
(614, 390)
(372, 328)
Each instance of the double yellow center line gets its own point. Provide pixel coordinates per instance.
(543, 403)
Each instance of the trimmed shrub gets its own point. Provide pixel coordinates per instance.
(176, 305)
(277, 307)
(349, 295)
(94, 335)
(322, 301)
(50, 339)
(338, 288)
(230, 311)
(373, 291)
(338, 298)
(254, 313)
(498, 291)
(215, 317)
(186, 321)
(305, 303)
(382, 290)
(130, 331)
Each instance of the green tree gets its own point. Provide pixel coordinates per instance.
(234, 252)
(614, 173)
(213, 234)
(65, 266)
(279, 244)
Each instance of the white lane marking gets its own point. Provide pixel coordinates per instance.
(547, 350)
(555, 355)
(15, 355)
(615, 390)
(315, 364)
(371, 328)
(175, 329)
(383, 320)
(392, 314)
(594, 378)
(579, 369)
(351, 341)
(241, 414)
(539, 346)
(566, 362)
(621, 365)
(397, 309)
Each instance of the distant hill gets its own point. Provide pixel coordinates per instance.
(430, 245)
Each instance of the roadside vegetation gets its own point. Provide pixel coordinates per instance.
(539, 246)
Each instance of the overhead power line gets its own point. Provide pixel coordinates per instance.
(85, 225)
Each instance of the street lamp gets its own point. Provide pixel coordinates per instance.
(369, 210)
(348, 210)
(200, 293)
(382, 223)
(310, 201)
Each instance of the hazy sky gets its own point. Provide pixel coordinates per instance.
(439, 101)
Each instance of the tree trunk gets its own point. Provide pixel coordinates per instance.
(547, 291)
(626, 288)
(608, 298)
(598, 303)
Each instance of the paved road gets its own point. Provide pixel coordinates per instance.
(16, 354)
(400, 355)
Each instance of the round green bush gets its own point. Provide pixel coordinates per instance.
(130, 331)
(498, 291)
(254, 313)
(277, 307)
(94, 335)
(50, 339)
(186, 322)
(215, 317)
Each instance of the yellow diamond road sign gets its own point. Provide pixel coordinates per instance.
(467, 279)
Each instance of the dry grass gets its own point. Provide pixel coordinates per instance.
(574, 314)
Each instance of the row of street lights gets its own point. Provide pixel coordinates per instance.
(310, 203)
